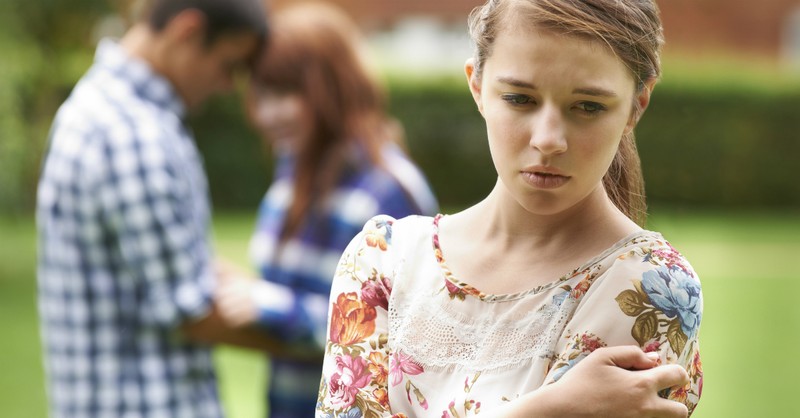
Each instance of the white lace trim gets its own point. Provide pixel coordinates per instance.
(441, 338)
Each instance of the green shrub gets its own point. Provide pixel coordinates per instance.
(724, 145)
(46, 46)
(239, 170)
(727, 145)
(721, 147)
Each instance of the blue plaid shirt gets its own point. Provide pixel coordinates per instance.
(304, 265)
(124, 255)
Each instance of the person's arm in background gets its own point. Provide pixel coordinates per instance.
(294, 314)
(214, 329)
(235, 313)
(162, 245)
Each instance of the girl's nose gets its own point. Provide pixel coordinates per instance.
(548, 131)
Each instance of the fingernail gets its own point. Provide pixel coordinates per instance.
(652, 355)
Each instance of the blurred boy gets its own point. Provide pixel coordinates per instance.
(125, 265)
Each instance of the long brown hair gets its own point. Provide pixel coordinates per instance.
(631, 29)
(314, 50)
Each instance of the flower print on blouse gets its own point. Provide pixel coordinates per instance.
(408, 339)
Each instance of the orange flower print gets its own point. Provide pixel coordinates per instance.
(696, 367)
(381, 235)
(382, 396)
(377, 367)
(375, 239)
(680, 394)
(696, 372)
(580, 289)
(352, 320)
(583, 287)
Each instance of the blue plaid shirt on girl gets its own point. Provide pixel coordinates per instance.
(304, 264)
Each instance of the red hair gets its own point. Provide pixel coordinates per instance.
(314, 51)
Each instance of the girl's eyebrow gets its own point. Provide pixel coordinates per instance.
(588, 91)
(515, 82)
(595, 91)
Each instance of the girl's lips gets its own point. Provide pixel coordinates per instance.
(544, 180)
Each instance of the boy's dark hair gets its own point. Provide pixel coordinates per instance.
(222, 16)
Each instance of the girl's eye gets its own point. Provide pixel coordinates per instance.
(591, 108)
(517, 99)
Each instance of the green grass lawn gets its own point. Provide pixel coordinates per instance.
(749, 334)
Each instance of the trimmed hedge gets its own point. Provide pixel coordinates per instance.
(728, 146)
(239, 168)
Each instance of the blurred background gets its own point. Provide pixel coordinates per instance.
(720, 146)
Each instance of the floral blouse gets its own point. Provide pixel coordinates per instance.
(407, 339)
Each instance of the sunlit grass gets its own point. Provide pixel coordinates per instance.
(750, 328)
(21, 376)
(242, 373)
(751, 320)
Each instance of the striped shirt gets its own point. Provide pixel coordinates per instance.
(124, 256)
(300, 269)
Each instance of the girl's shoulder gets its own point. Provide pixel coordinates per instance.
(391, 234)
(651, 250)
(387, 245)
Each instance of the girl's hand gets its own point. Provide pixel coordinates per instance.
(612, 382)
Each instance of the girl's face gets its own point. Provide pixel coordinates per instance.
(284, 117)
(556, 108)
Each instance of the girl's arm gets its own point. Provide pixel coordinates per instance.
(619, 382)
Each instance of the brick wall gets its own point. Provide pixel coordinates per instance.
(747, 26)
(382, 13)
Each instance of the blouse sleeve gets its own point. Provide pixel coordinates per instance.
(356, 365)
(649, 297)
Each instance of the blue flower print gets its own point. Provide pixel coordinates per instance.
(385, 222)
(564, 368)
(353, 412)
(559, 298)
(676, 294)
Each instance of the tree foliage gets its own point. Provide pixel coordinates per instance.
(47, 45)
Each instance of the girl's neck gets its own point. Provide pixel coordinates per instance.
(500, 247)
(501, 219)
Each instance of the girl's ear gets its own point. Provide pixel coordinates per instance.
(474, 83)
(642, 101)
